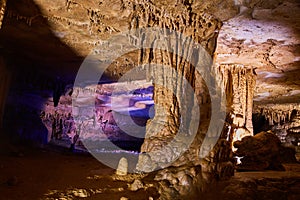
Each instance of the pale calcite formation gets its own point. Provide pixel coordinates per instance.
(122, 167)
(185, 179)
(202, 28)
(238, 82)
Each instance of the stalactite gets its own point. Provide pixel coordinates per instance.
(276, 114)
(282, 119)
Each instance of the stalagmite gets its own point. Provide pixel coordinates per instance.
(122, 167)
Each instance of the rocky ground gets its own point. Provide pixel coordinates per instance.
(260, 185)
(54, 173)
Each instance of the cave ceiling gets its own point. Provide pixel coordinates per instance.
(57, 35)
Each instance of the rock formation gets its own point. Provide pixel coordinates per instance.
(283, 119)
(238, 81)
(202, 28)
(258, 38)
(259, 152)
(122, 167)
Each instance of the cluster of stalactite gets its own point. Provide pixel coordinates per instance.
(276, 114)
(202, 27)
(31, 79)
(93, 19)
(238, 82)
(283, 120)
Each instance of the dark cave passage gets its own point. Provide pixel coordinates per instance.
(259, 123)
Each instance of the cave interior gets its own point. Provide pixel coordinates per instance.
(150, 99)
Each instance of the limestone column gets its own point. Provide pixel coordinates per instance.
(239, 82)
(174, 110)
(209, 155)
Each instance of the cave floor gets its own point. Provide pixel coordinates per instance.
(59, 174)
(262, 185)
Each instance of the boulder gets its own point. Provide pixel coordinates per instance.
(259, 152)
(136, 185)
(287, 154)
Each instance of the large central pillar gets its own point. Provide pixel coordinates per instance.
(191, 170)
(171, 110)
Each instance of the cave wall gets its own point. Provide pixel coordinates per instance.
(38, 62)
(5, 76)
